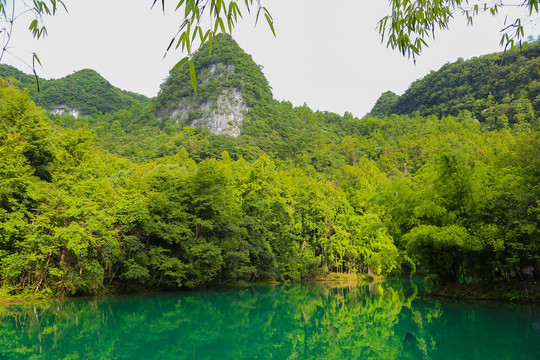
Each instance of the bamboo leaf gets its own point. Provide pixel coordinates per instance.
(270, 23)
(192, 75)
(180, 3)
(179, 64)
(222, 25)
(169, 47)
(36, 58)
(257, 17)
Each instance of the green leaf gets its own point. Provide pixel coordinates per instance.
(222, 25)
(195, 32)
(33, 25)
(192, 75)
(270, 23)
(36, 58)
(180, 3)
(179, 64)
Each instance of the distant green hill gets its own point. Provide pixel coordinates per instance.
(25, 80)
(84, 92)
(490, 86)
(231, 86)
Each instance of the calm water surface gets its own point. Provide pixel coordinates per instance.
(313, 321)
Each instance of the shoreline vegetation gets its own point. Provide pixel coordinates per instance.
(6, 298)
(344, 279)
(348, 278)
(502, 291)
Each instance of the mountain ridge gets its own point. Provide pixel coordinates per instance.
(488, 86)
(85, 92)
(494, 88)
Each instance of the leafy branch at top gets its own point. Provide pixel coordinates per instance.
(411, 23)
(11, 11)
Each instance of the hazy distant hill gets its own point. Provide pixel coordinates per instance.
(505, 83)
(84, 92)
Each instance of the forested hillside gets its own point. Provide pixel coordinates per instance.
(132, 200)
(84, 92)
(497, 89)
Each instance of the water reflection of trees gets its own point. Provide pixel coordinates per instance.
(284, 322)
(310, 321)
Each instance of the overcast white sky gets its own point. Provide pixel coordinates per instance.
(327, 54)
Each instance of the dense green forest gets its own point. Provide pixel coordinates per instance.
(125, 200)
(84, 91)
(497, 89)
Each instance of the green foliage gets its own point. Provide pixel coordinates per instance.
(102, 221)
(412, 23)
(449, 215)
(124, 201)
(84, 91)
(489, 86)
(384, 105)
(20, 118)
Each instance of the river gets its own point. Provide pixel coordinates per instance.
(305, 321)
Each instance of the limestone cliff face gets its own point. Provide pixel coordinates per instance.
(64, 110)
(225, 116)
(229, 83)
(222, 114)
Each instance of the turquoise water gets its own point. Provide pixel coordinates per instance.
(308, 321)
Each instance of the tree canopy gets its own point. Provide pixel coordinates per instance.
(125, 201)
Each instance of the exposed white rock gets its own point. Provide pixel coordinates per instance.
(225, 117)
(64, 110)
(216, 71)
(221, 115)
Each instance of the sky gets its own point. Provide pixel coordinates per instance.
(326, 54)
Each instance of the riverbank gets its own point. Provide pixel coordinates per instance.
(346, 278)
(7, 298)
(516, 292)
